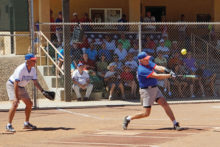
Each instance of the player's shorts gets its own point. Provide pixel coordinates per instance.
(22, 93)
(150, 95)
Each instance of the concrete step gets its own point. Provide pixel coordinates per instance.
(60, 82)
(49, 71)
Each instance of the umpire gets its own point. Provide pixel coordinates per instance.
(149, 91)
(16, 90)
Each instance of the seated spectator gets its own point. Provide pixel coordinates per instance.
(149, 43)
(180, 82)
(92, 52)
(88, 64)
(85, 43)
(131, 63)
(118, 63)
(128, 79)
(164, 49)
(207, 77)
(97, 83)
(59, 29)
(121, 52)
(81, 81)
(85, 18)
(72, 67)
(102, 66)
(167, 42)
(175, 59)
(160, 60)
(174, 48)
(75, 19)
(109, 43)
(149, 18)
(112, 78)
(105, 52)
(150, 51)
(190, 63)
(134, 51)
(125, 42)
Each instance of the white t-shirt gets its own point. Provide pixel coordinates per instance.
(22, 75)
(121, 54)
(80, 78)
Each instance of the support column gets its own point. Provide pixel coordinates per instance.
(134, 10)
(216, 16)
(44, 16)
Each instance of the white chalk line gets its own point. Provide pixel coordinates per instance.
(98, 143)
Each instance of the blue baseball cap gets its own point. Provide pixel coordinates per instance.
(80, 64)
(143, 55)
(30, 56)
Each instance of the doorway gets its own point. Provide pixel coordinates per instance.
(156, 11)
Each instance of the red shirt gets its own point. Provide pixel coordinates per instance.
(52, 27)
(127, 76)
(90, 63)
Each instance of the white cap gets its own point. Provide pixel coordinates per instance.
(75, 14)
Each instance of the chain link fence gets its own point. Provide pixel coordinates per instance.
(109, 51)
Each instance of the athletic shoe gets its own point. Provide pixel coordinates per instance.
(125, 123)
(169, 93)
(29, 126)
(110, 98)
(9, 128)
(193, 96)
(177, 127)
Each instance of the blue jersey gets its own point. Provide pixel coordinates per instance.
(144, 73)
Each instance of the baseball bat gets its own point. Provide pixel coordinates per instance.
(187, 76)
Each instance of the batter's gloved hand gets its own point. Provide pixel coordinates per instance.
(173, 75)
(167, 70)
(49, 94)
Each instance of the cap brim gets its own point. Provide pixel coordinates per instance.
(147, 58)
(35, 58)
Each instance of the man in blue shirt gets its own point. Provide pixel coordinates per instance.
(149, 91)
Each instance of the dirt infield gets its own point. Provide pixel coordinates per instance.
(103, 127)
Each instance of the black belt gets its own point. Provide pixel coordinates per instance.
(148, 87)
(13, 83)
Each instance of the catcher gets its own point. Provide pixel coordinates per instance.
(16, 90)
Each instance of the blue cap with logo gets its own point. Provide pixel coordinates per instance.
(30, 56)
(143, 55)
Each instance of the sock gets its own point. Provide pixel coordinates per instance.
(26, 123)
(129, 118)
(8, 124)
(174, 122)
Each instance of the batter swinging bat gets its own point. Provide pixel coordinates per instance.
(187, 76)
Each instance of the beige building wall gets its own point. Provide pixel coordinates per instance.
(174, 8)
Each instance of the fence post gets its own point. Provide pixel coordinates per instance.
(139, 37)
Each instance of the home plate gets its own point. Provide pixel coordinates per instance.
(117, 133)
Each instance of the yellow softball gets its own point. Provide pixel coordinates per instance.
(184, 51)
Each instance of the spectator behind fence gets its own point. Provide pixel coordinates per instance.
(105, 52)
(85, 18)
(121, 52)
(85, 43)
(149, 43)
(125, 42)
(81, 81)
(175, 59)
(123, 27)
(110, 44)
(128, 80)
(102, 66)
(76, 52)
(167, 42)
(134, 51)
(149, 18)
(98, 84)
(60, 60)
(180, 82)
(52, 27)
(59, 28)
(112, 78)
(182, 30)
(174, 48)
(118, 63)
(165, 50)
(131, 63)
(160, 60)
(150, 51)
(208, 78)
(88, 64)
(92, 52)
(75, 19)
